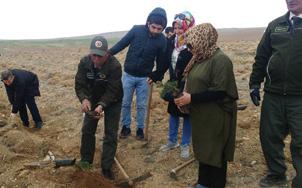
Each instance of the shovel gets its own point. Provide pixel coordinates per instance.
(129, 182)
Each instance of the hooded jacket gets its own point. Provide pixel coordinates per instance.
(144, 49)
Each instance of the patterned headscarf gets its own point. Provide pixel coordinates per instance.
(185, 20)
(202, 40)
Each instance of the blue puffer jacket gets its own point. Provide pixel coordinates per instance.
(144, 49)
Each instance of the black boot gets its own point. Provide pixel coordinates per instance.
(107, 173)
(273, 180)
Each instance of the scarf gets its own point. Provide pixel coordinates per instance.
(202, 38)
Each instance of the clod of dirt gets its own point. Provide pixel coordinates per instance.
(2, 123)
(24, 143)
(5, 155)
(149, 159)
(245, 124)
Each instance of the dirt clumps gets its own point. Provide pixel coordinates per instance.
(90, 180)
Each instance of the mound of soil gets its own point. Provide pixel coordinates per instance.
(90, 180)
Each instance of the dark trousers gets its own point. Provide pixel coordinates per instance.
(32, 106)
(212, 176)
(111, 122)
(281, 115)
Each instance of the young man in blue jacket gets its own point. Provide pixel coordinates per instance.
(147, 45)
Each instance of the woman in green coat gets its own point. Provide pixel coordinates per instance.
(211, 94)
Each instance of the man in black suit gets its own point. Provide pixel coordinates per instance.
(22, 86)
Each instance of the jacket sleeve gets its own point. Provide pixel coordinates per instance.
(182, 62)
(19, 96)
(263, 54)
(10, 94)
(123, 43)
(207, 96)
(81, 85)
(113, 87)
(222, 77)
(162, 64)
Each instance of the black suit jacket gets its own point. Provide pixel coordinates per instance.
(25, 84)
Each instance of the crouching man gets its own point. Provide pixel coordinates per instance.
(22, 86)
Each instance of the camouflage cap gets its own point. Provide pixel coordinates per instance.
(99, 46)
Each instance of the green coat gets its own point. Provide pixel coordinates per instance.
(213, 123)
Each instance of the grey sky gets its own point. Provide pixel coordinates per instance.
(32, 19)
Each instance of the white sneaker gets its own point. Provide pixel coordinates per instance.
(185, 152)
(169, 146)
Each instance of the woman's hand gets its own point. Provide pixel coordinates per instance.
(183, 100)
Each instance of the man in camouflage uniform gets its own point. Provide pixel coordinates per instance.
(98, 86)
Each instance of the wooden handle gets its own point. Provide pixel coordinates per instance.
(148, 111)
(121, 168)
(174, 170)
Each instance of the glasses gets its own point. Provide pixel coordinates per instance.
(96, 55)
(180, 16)
(154, 27)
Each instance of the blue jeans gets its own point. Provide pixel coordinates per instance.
(140, 86)
(173, 130)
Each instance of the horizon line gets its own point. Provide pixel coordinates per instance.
(105, 33)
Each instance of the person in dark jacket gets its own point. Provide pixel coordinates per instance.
(22, 86)
(178, 56)
(146, 44)
(169, 32)
(279, 61)
(98, 86)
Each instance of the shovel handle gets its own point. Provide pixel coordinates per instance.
(123, 171)
(148, 110)
(175, 170)
(121, 168)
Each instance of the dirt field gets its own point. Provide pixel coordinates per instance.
(55, 62)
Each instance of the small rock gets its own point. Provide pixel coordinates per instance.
(24, 173)
(2, 123)
(253, 163)
(239, 141)
(149, 159)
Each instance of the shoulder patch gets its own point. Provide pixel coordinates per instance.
(281, 29)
